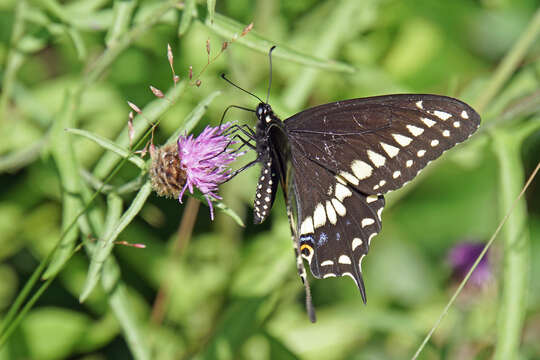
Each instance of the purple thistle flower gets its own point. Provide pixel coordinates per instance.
(205, 160)
(462, 258)
(194, 162)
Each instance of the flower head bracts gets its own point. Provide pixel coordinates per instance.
(200, 162)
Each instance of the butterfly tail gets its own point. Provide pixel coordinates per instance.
(303, 276)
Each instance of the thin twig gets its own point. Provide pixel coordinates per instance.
(480, 257)
(182, 240)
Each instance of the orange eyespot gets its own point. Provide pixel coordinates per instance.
(306, 247)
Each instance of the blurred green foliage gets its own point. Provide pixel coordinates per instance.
(229, 292)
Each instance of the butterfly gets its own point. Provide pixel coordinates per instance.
(334, 163)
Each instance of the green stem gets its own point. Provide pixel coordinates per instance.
(480, 257)
(11, 325)
(336, 32)
(13, 316)
(503, 72)
(14, 59)
(106, 59)
(106, 245)
(515, 236)
(510, 62)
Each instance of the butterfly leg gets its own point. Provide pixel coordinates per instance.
(244, 129)
(236, 172)
(244, 143)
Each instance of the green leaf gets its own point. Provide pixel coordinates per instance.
(510, 62)
(515, 236)
(211, 4)
(64, 157)
(135, 333)
(123, 12)
(117, 292)
(347, 19)
(229, 29)
(187, 15)
(109, 145)
(107, 242)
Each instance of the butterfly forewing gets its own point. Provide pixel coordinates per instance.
(377, 144)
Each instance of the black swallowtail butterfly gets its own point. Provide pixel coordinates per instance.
(334, 163)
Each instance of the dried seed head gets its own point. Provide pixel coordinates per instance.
(170, 55)
(190, 72)
(156, 92)
(247, 29)
(208, 47)
(134, 107)
(166, 174)
(198, 82)
(224, 45)
(135, 245)
(131, 131)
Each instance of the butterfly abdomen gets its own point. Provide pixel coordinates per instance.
(266, 190)
(269, 176)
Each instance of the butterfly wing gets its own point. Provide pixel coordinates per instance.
(378, 144)
(334, 222)
(346, 154)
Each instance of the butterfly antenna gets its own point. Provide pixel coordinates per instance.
(238, 87)
(270, 82)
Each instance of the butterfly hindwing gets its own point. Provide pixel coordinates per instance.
(378, 144)
(335, 223)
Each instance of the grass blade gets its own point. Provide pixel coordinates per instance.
(14, 59)
(211, 4)
(64, 157)
(229, 28)
(187, 15)
(510, 62)
(107, 243)
(473, 267)
(123, 12)
(109, 145)
(515, 236)
(336, 33)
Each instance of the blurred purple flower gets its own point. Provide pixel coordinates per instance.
(201, 162)
(205, 160)
(462, 258)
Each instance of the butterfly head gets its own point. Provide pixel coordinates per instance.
(264, 113)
